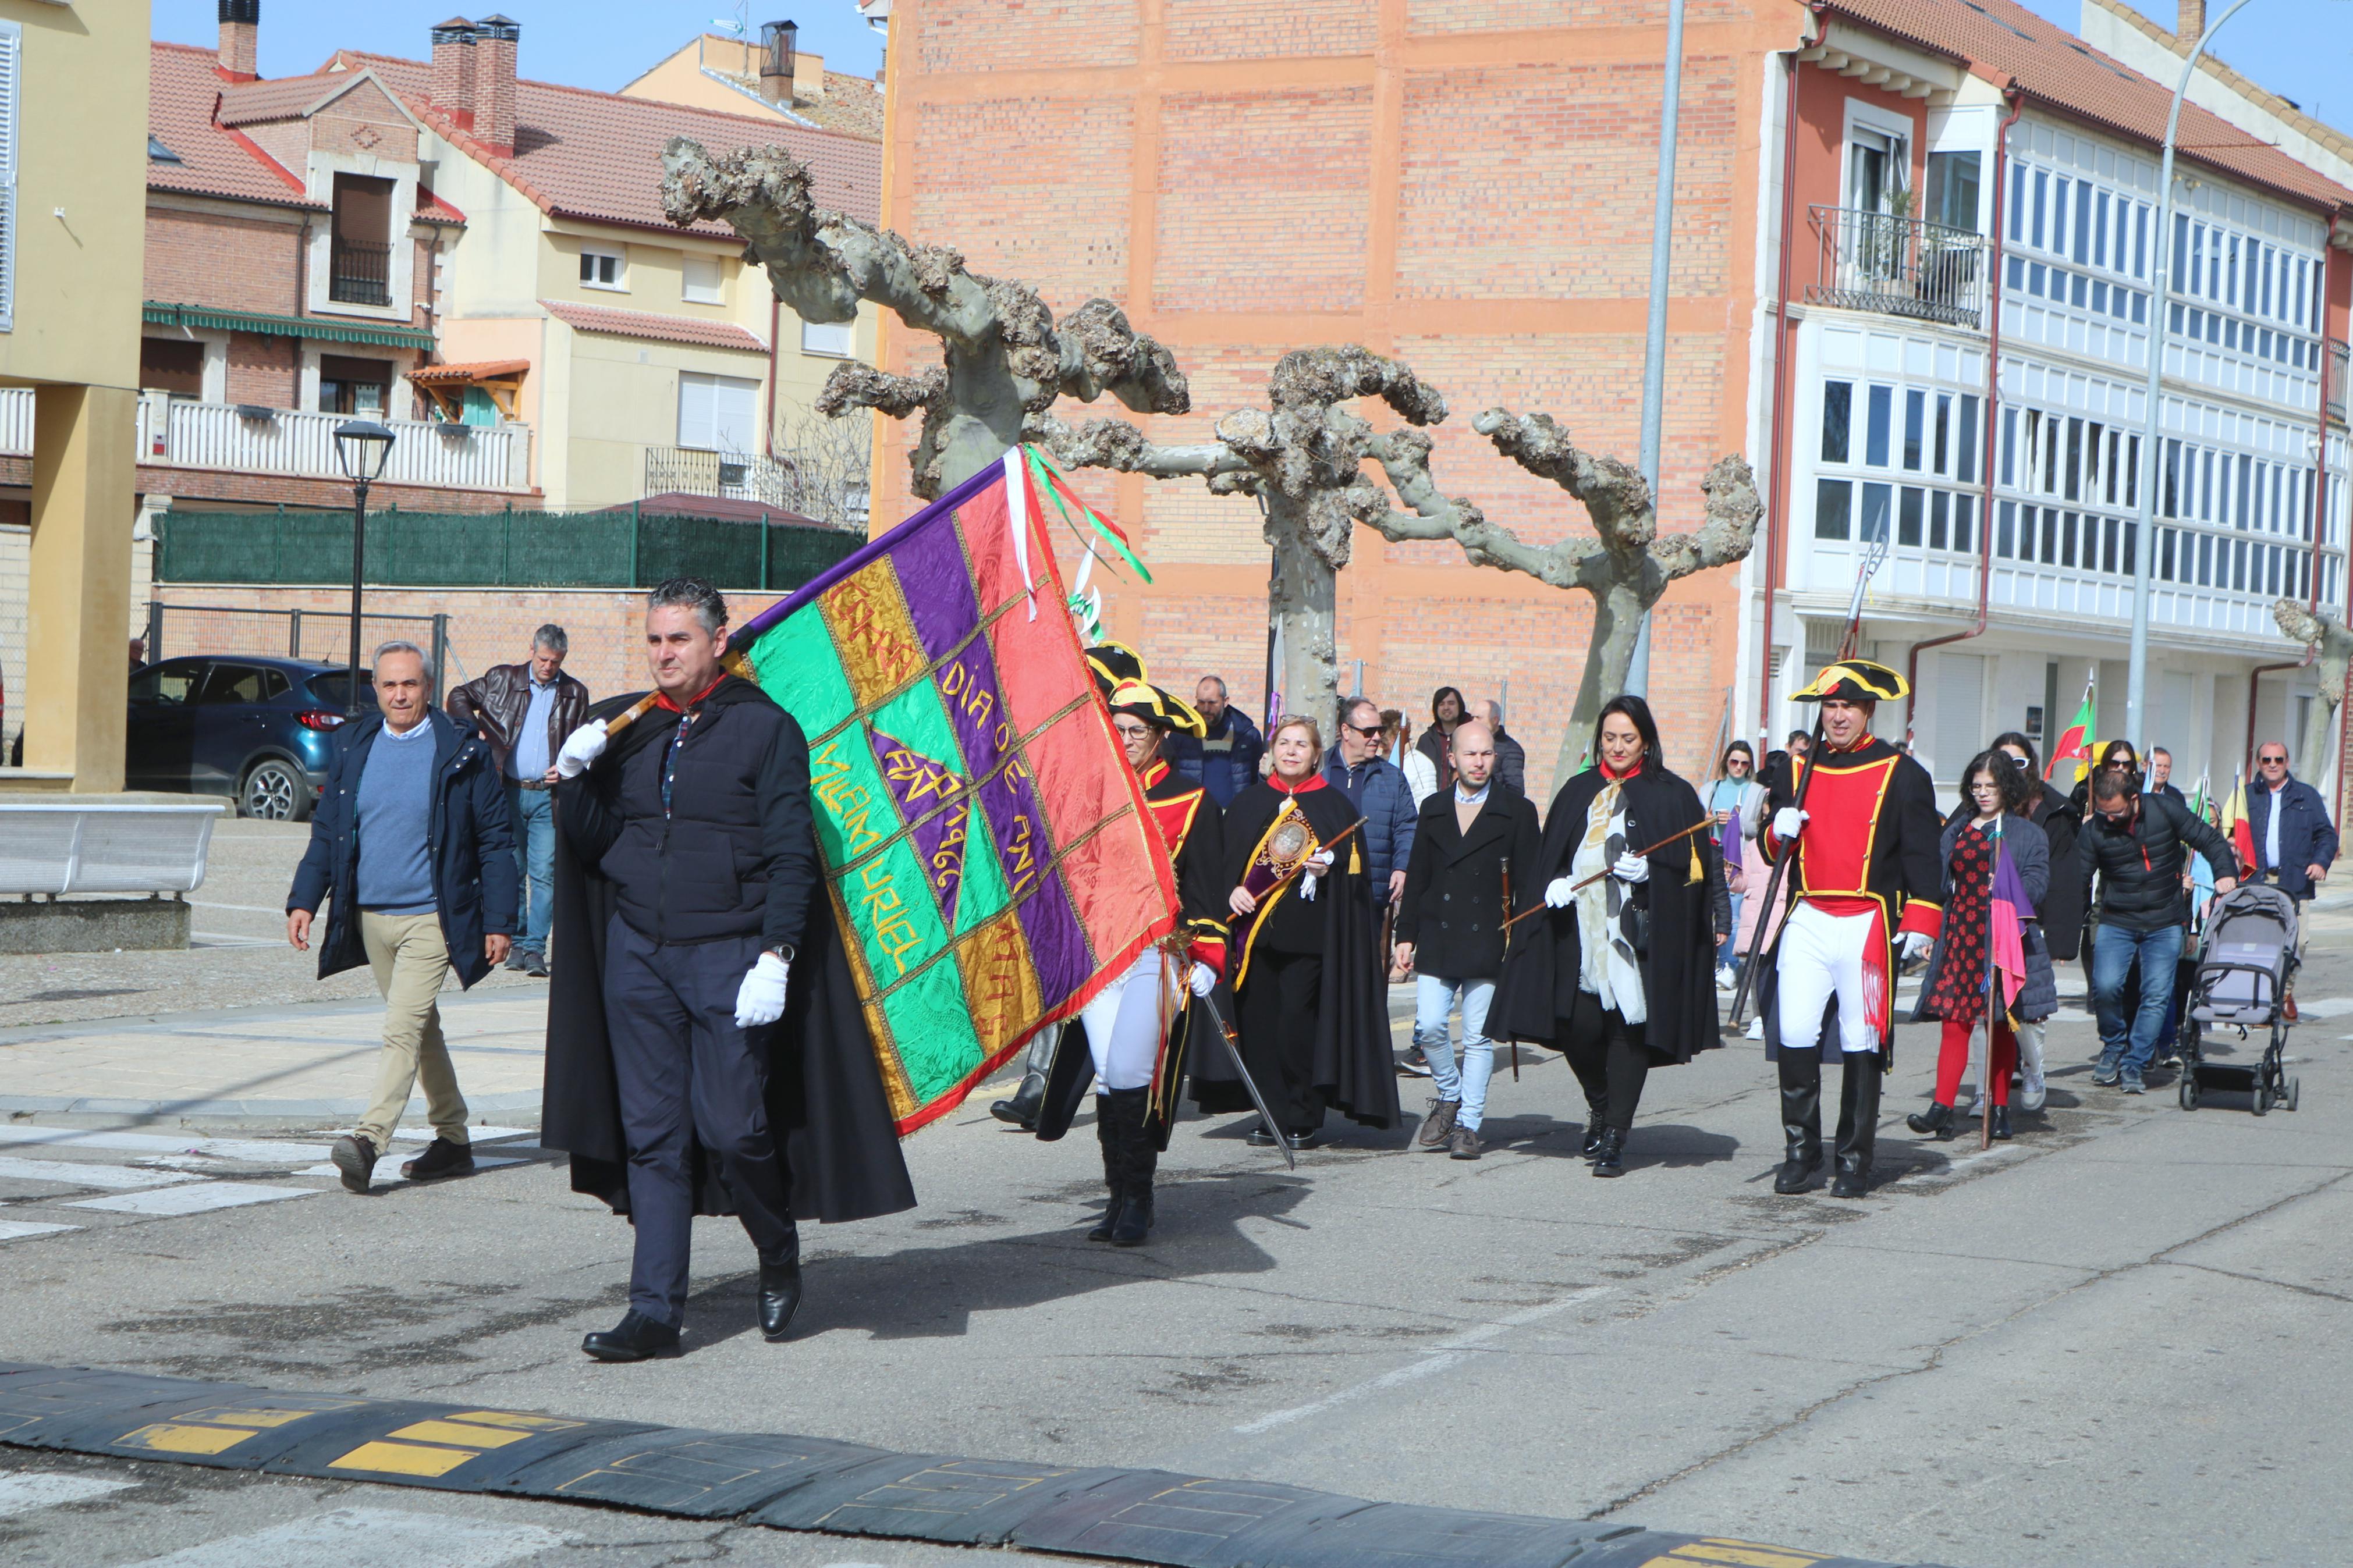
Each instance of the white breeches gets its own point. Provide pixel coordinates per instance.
(1822, 957)
(1123, 1023)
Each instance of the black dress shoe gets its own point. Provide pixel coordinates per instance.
(355, 1159)
(1797, 1174)
(1609, 1159)
(1305, 1137)
(780, 1297)
(1853, 1178)
(636, 1338)
(2000, 1122)
(1261, 1137)
(1936, 1121)
(440, 1161)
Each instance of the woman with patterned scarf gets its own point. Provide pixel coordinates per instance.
(1997, 869)
(1619, 974)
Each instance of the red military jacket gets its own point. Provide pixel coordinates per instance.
(1870, 839)
(1191, 826)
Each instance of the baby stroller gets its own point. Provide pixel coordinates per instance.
(2245, 963)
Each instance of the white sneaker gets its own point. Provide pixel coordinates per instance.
(1755, 1030)
(1726, 980)
(2031, 1091)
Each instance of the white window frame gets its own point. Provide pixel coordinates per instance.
(821, 346)
(717, 293)
(1862, 116)
(699, 385)
(617, 255)
(12, 86)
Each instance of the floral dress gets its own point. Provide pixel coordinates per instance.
(1959, 995)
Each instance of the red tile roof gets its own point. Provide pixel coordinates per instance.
(279, 97)
(181, 87)
(597, 155)
(647, 324)
(2004, 43)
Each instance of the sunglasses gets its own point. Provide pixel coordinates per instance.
(1362, 730)
(2272, 762)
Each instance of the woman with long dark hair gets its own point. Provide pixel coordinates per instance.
(1988, 964)
(1437, 742)
(1616, 974)
(2061, 909)
(1734, 800)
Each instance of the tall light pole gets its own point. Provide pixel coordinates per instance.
(362, 447)
(1655, 353)
(2145, 548)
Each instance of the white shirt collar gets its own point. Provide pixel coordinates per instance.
(1475, 799)
(422, 726)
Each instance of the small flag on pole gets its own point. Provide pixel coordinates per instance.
(2075, 740)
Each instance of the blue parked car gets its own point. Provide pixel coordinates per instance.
(255, 728)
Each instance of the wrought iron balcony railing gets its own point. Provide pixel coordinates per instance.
(1899, 266)
(359, 274)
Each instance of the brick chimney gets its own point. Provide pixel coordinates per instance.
(240, 39)
(495, 39)
(2190, 24)
(779, 49)
(453, 70)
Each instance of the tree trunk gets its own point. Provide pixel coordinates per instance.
(1617, 623)
(1301, 607)
(984, 421)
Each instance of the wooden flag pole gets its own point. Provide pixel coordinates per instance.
(1704, 821)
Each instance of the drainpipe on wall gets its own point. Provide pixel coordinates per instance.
(1777, 526)
(1992, 397)
(775, 322)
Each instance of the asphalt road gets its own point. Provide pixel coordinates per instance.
(2121, 1339)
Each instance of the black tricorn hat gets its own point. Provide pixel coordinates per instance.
(1141, 700)
(1113, 663)
(1855, 680)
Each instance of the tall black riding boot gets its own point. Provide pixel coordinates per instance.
(1022, 1111)
(1139, 1160)
(1801, 1122)
(1114, 1170)
(1858, 1127)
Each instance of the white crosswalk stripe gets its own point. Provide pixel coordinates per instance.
(196, 1198)
(17, 1229)
(87, 1174)
(372, 1535)
(25, 1492)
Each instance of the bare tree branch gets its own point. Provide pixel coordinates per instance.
(2334, 645)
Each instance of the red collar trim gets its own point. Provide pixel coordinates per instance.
(662, 700)
(1153, 773)
(1613, 775)
(1311, 783)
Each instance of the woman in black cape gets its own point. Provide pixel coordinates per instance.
(1308, 995)
(1617, 976)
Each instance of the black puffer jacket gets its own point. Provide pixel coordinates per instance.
(2140, 864)
(735, 855)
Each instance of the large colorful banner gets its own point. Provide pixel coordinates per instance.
(987, 848)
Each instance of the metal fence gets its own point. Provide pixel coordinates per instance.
(620, 549)
(1898, 266)
(174, 629)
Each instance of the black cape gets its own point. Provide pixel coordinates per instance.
(825, 1102)
(1540, 971)
(1201, 892)
(1352, 1063)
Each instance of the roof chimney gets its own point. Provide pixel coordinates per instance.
(494, 82)
(240, 39)
(778, 47)
(453, 70)
(2190, 24)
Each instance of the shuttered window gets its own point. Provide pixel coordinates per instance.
(718, 412)
(12, 54)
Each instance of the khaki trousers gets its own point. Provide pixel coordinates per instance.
(410, 958)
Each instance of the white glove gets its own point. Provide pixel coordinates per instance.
(1201, 979)
(761, 998)
(1559, 893)
(1631, 867)
(1307, 888)
(580, 748)
(1788, 823)
(1319, 862)
(1915, 944)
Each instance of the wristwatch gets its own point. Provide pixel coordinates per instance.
(784, 951)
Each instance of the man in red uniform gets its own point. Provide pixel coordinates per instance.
(1866, 890)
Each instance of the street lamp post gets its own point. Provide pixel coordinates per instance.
(361, 447)
(2145, 546)
(1654, 344)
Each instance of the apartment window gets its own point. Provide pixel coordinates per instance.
(1838, 416)
(1833, 499)
(175, 365)
(1911, 505)
(1965, 467)
(604, 269)
(699, 278)
(1876, 499)
(1953, 190)
(359, 242)
(12, 45)
(718, 412)
(354, 386)
(834, 339)
(1874, 442)
(1915, 405)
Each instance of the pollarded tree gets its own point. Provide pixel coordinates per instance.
(2326, 634)
(1625, 565)
(1302, 457)
(1004, 357)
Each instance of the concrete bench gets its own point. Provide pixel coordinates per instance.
(58, 856)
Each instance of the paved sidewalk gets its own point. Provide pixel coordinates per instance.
(304, 1066)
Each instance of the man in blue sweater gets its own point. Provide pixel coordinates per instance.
(412, 844)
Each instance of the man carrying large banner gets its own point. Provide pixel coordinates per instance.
(987, 857)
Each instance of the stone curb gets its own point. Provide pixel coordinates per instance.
(98, 1110)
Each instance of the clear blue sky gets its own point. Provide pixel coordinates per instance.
(2302, 49)
(582, 43)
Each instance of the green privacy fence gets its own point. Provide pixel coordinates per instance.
(622, 549)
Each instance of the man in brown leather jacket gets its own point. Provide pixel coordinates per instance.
(525, 712)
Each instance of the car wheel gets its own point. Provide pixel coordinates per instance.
(274, 792)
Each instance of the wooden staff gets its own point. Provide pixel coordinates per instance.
(1515, 1043)
(1703, 824)
(735, 661)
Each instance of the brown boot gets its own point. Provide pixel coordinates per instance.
(1437, 1123)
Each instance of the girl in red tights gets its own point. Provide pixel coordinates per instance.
(1992, 857)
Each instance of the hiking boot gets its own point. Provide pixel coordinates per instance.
(440, 1161)
(2108, 1072)
(355, 1159)
(1438, 1123)
(1465, 1145)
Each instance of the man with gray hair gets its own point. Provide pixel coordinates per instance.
(411, 849)
(525, 712)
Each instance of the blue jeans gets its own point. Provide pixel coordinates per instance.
(533, 811)
(1728, 946)
(1433, 998)
(2113, 951)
